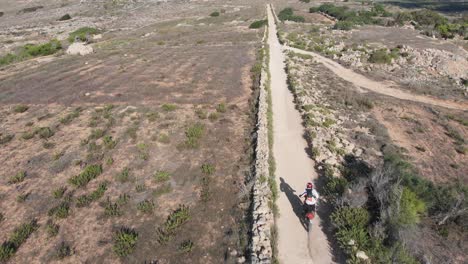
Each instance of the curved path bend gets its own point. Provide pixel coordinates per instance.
(379, 87)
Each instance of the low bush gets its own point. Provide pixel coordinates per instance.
(82, 34)
(59, 192)
(44, 132)
(52, 229)
(352, 226)
(124, 175)
(146, 206)
(194, 134)
(258, 24)
(335, 186)
(411, 207)
(163, 189)
(112, 209)
(186, 246)
(175, 219)
(343, 25)
(208, 169)
(31, 51)
(5, 138)
(288, 14)
(162, 176)
(214, 14)
(125, 241)
(20, 108)
(213, 116)
(63, 250)
(108, 142)
(86, 199)
(19, 236)
(65, 17)
(169, 107)
(60, 211)
(221, 108)
(89, 173)
(380, 56)
(17, 178)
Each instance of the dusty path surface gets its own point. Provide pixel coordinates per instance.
(379, 87)
(294, 169)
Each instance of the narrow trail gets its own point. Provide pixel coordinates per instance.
(379, 87)
(293, 168)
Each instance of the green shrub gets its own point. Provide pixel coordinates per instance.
(335, 186)
(205, 193)
(63, 250)
(52, 229)
(213, 116)
(347, 217)
(208, 169)
(125, 241)
(22, 197)
(402, 17)
(313, 10)
(164, 138)
(221, 108)
(380, 56)
(169, 107)
(89, 173)
(194, 134)
(428, 17)
(59, 192)
(96, 134)
(60, 211)
(42, 49)
(351, 224)
(109, 143)
(65, 17)
(44, 132)
(17, 178)
(82, 34)
(5, 138)
(258, 24)
(85, 200)
(143, 152)
(343, 25)
(202, 114)
(123, 175)
(288, 14)
(175, 219)
(146, 206)
(162, 176)
(112, 209)
(163, 189)
(19, 236)
(186, 246)
(20, 108)
(30, 50)
(411, 207)
(214, 14)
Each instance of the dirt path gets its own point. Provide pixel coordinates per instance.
(294, 169)
(379, 87)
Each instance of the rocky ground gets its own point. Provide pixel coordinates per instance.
(342, 122)
(419, 63)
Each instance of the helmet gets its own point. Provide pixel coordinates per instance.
(310, 185)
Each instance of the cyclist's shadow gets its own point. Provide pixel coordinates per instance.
(294, 200)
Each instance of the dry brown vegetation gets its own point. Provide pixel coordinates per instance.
(102, 150)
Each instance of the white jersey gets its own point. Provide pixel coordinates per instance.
(314, 193)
